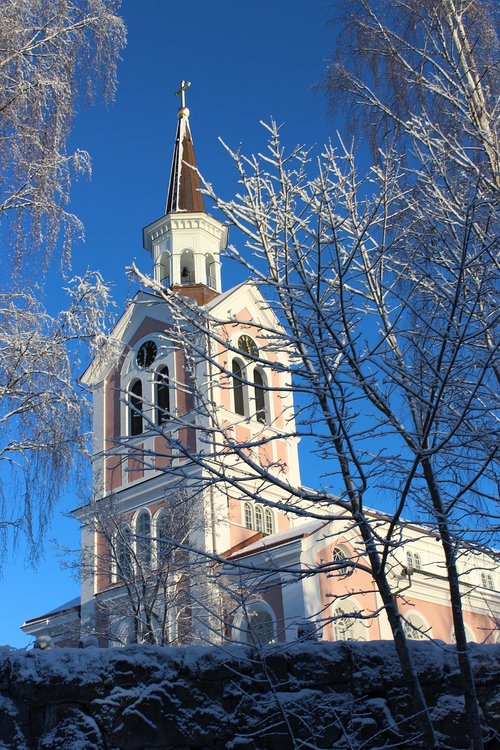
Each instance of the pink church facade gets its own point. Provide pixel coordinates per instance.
(156, 409)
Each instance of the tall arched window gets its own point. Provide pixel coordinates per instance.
(259, 518)
(163, 533)
(162, 396)
(165, 269)
(187, 267)
(247, 512)
(260, 627)
(135, 408)
(143, 540)
(210, 271)
(269, 521)
(239, 402)
(260, 397)
(124, 554)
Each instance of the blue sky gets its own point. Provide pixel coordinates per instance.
(247, 62)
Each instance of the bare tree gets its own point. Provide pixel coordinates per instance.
(52, 55)
(426, 77)
(401, 62)
(384, 293)
(43, 415)
(152, 586)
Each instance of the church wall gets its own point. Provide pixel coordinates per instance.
(120, 468)
(335, 586)
(163, 451)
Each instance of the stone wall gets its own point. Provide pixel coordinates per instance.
(331, 695)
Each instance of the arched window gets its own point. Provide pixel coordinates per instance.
(340, 557)
(164, 537)
(162, 396)
(143, 541)
(259, 518)
(165, 269)
(343, 626)
(135, 408)
(239, 403)
(260, 397)
(260, 628)
(415, 628)
(210, 271)
(269, 521)
(413, 560)
(347, 626)
(247, 512)
(469, 635)
(187, 267)
(124, 554)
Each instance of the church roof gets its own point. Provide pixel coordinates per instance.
(184, 186)
(279, 539)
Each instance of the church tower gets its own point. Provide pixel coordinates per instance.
(180, 383)
(185, 243)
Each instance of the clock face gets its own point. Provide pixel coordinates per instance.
(146, 354)
(247, 344)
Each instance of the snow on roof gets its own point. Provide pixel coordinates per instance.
(221, 297)
(72, 604)
(282, 537)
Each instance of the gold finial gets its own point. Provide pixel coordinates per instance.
(182, 93)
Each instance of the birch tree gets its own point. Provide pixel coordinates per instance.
(43, 415)
(401, 62)
(52, 55)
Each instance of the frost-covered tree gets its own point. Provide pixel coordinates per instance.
(43, 415)
(385, 284)
(159, 592)
(53, 54)
(423, 77)
(421, 69)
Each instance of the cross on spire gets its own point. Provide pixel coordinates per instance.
(182, 92)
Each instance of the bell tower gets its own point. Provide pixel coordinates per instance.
(185, 243)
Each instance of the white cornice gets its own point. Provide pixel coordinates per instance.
(183, 221)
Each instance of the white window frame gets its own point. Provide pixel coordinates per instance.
(131, 372)
(240, 627)
(416, 627)
(248, 388)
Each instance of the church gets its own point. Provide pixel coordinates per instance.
(196, 531)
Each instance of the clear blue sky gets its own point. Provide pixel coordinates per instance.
(247, 62)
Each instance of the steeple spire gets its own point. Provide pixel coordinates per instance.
(186, 242)
(184, 186)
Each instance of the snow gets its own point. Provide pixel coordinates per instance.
(122, 697)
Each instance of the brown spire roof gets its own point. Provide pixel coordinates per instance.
(184, 187)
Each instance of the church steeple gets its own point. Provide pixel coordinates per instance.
(185, 243)
(184, 186)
